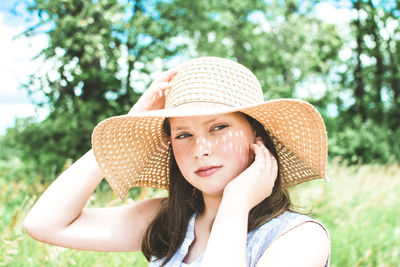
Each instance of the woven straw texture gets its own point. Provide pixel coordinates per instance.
(134, 151)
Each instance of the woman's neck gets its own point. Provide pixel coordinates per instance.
(211, 206)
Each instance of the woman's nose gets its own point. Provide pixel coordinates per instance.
(202, 148)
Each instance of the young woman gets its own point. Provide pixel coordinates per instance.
(204, 132)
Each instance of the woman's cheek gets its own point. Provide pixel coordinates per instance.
(182, 157)
(242, 149)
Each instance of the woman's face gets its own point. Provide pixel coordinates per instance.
(212, 150)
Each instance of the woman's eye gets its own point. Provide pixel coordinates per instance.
(182, 136)
(220, 127)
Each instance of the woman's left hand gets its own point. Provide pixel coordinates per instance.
(255, 183)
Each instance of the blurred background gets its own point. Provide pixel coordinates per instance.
(65, 65)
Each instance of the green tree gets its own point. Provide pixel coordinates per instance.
(101, 52)
(278, 40)
(104, 51)
(371, 77)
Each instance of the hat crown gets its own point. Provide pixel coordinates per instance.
(214, 80)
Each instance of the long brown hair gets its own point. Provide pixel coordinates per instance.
(166, 233)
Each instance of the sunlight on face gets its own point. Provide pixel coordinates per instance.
(212, 150)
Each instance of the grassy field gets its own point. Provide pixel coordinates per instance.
(360, 206)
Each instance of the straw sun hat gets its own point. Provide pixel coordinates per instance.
(134, 151)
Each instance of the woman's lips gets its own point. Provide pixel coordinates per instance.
(207, 171)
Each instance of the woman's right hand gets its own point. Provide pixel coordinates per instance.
(154, 97)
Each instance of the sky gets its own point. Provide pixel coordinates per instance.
(17, 53)
(16, 64)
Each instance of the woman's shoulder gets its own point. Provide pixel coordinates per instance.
(285, 220)
(261, 238)
(281, 224)
(297, 223)
(306, 238)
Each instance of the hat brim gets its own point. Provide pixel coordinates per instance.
(133, 150)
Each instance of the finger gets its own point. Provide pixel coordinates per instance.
(259, 154)
(157, 91)
(270, 161)
(263, 149)
(267, 158)
(159, 86)
(272, 164)
(167, 75)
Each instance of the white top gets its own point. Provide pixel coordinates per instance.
(257, 240)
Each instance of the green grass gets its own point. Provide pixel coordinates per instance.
(18, 249)
(359, 205)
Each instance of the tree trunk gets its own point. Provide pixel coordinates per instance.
(359, 93)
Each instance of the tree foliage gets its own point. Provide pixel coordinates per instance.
(102, 54)
(367, 128)
(98, 51)
(281, 43)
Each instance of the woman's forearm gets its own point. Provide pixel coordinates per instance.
(65, 198)
(227, 242)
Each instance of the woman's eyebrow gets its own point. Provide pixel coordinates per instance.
(211, 120)
(183, 127)
(179, 128)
